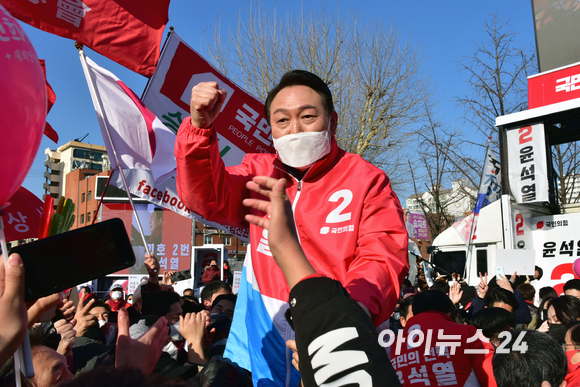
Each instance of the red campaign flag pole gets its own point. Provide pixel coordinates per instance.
(100, 112)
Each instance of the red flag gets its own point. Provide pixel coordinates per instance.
(22, 216)
(50, 98)
(126, 31)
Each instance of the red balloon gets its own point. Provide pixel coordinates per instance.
(23, 104)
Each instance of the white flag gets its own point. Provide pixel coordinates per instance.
(140, 139)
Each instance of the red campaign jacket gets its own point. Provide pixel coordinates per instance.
(414, 368)
(349, 220)
(210, 274)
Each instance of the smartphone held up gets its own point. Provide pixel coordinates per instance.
(65, 260)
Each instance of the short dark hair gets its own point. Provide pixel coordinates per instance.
(567, 309)
(404, 306)
(159, 303)
(575, 333)
(301, 78)
(441, 285)
(213, 287)
(547, 291)
(432, 300)
(544, 360)
(572, 284)
(102, 304)
(492, 321)
(501, 295)
(528, 291)
(188, 290)
(230, 297)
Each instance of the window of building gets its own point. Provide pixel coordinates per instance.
(88, 217)
(94, 214)
(207, 240)
(82, 218)
(227, 240)
(244, 243)
(87, 154)
(89, 195)
(82, 198)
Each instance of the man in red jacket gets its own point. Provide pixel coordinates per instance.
(211, 273)
(348, 219)
(433, 350)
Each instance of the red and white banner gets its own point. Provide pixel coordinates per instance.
(241, 125)
(167, 234)
(126, 31)
(141, 183)
(557, 244)
(22, 216)
(554, 86)
(527, 165)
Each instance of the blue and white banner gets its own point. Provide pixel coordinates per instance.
(489, 191)
(257, 339)
(490, 187)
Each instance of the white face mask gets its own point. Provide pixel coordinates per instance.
(101, 323)
(130, 302)
(116, 295)
(299, 150)
(174, 332)
(171, 349)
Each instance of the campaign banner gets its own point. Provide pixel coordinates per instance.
(416, 224)
(527, 165)
(236, 282)
(554, 86)
(142, 183)
(557, 243)
(168, 235)
(241, 126)
(202, 258)
(134, 281)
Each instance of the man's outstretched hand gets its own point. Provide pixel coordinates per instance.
(144, 352)
(279, 222)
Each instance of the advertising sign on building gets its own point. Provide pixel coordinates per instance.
(168, 235)
(527, 164)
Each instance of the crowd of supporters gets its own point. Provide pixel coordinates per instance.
(500, 333)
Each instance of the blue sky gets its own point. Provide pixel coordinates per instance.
(445, 30)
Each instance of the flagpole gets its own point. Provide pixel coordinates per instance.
(171, 31)
(101, 114)
(474, 215)
(102, 197)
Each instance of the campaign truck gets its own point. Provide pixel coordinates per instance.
(528, 225)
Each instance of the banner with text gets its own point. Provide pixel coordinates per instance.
(557, 244)
(241, 125)
(141, 183)
(528, 174)
(168, 235)
(416, 224)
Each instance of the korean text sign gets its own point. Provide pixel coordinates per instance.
(167, 234)
(527, 166)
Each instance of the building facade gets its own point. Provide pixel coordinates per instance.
(69, 157)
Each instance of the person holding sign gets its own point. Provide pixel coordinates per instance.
(349, 221)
